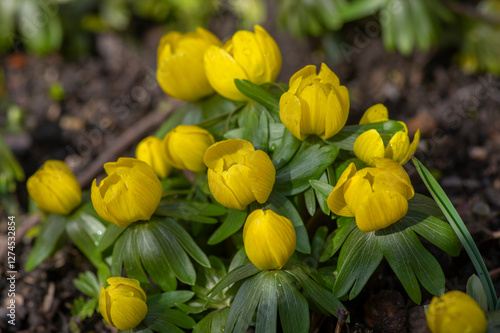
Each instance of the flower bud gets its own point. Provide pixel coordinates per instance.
(131, 192)
(181, 73)
(314, 104)
(238, 174)
(185, 146)
(455, 311)
(54, 188)
(152, 151)
(250, 56)
(123, 303)
(369, 145)
(377, 197)
(374, 114)
(269, 239)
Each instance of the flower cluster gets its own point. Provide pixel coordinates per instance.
(259, 158)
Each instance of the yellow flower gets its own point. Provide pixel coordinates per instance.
(238, 174)
(152, 151)
(314, 104)
(131, 192)
(54, 188)
(269, 239)
(250, 56)
(370, 145)
(123, 303)
(374, 114)
(377, 197)
(185, 146)
(455, 311)
(180, 72)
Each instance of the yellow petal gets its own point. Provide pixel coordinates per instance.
(397, 148)
(314, 105)
(291, 114)
(99, 205)
(269, 239)
(247, 53)
(413, 147)
(105, 305)
(455, 311)
(221, 70)
(270, 53)
(152, 151)
(369, 145)
(127, 312)
(357, 188)
(261, 176)
(336, 201)
(375, 113)
(327, 76)
(336, 114)
(222, 193)
(397, 171)
(307, 75)
(231, 151)
(237, 179)
(380, 209)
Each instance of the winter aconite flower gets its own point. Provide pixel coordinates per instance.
(54, 188)
(269, 239)
(370, 145)
(238, 174)
(181, 73)
(185, 146)
(315, 104)
(377, 197)
(455, 311)
(152, 151)
(123, 303)
(131, 192)
(247, 55)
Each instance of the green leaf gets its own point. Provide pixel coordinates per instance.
(258, 94)
(292, 306)
(475, 290)
(109, 237)
(282, 206)
(169, 299)
(355, 10)
(276, 136)
(322, 191)
(233, 276)
(358, 259)
(347, 135)
(460, 229)
(337, 238)
(410, 260)
(51, 232)
(132, 259)
(191, 211)
(424, 204)
(158, 318)
(187, 242)
(267, 310)
(434, 230)
(208, 278)
(321, 296)
(215, 321)
(88, 284)
(310, 201)
(244, 304)
(294, 177)
(231, 224)
(287, 148)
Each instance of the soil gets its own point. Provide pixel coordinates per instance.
(111, 90)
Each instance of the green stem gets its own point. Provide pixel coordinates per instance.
(460, 229)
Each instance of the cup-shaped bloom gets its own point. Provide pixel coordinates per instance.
(269, 239)
(374, 114)
(369, 145)
(315, 104)
(123, 303)
(185, 146)
(247, 55)
(131, 192)
(455, 311)
(180, 72)
(54, 188)
(377, 197)
(152, 151)
(238, 174)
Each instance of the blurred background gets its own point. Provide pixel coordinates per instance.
(76, 75)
